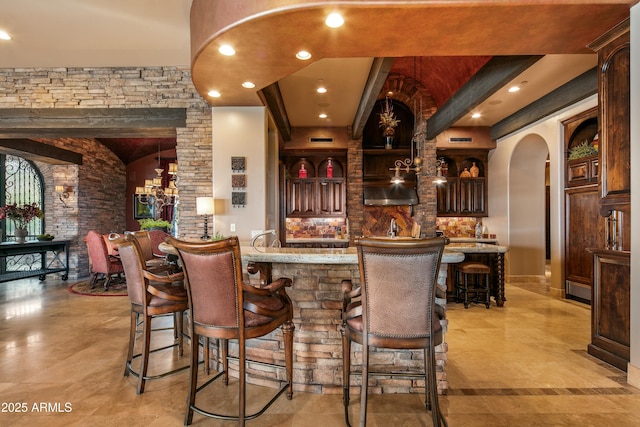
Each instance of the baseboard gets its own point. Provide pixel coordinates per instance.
(539, 279)
(633, 375)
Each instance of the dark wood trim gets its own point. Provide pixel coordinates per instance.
(488, 80)
(622, 28)
(377, 77)
(583, 86)
(272, 98)
(91, 122)
(38, 151)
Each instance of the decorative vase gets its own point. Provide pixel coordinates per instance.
(21, 234)
(474, 170)
(388, 142)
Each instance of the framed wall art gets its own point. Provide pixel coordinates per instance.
(142, 210)
(239, 181)
(238, 164)
(238, 199)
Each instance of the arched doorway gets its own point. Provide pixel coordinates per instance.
(527, 208)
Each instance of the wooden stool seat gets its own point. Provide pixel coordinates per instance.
(478, 290)
(471, 267)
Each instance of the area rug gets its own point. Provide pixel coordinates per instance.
(117, 288)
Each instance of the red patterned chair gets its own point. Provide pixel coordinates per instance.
(100, 261)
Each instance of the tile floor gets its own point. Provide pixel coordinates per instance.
(521, 365)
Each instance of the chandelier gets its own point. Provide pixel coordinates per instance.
(154, 194)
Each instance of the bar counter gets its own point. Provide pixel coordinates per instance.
(490, 254)
(317, 300)
(316, 293)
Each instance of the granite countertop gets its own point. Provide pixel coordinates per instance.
(471, 240)
(316, 240)
(319, 255)
(482, 248)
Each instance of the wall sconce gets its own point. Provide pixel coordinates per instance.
(406, 166)
(63, 193)
(205, 206)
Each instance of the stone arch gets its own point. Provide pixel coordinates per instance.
(410, 92)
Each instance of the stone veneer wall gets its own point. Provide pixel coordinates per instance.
(93, 202)
(316, 293)
(355, 208)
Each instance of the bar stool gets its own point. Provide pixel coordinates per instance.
(477, 289)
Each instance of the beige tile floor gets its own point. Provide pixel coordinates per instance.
(521, 365)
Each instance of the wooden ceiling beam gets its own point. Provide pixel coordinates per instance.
(375, 81)
(575, 90)
(493, 76)
(38, 151)
(272, 98)
(91, 122)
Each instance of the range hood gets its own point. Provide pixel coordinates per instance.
(392, 195)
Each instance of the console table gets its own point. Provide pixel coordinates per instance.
(31, 258)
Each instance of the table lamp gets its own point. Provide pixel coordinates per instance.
(205, 206)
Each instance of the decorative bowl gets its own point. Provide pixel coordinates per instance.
(45, 238)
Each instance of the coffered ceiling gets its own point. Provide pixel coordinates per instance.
(441, 43)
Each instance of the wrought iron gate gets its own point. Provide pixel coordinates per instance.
(23, 184)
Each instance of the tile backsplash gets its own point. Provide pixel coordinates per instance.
(315, 228)
(457, 226)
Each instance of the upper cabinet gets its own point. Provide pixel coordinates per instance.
(464, 192)
(315, 186)
(582, 144)
(615, 128)
(614, 88)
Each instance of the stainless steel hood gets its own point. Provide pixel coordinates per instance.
(393, 195)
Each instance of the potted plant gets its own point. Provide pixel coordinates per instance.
(21, 217)
(154, 224)
(584, 149)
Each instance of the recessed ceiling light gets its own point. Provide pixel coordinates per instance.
(475, 115)
(303, 55)
(4, 36)
(334, 20)
(248, 85)
(214, 94)
(322, 115)
(514, 89)
(227, 50)
(321, 89)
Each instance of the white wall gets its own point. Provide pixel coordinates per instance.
(527, 190)
(240, 132)
(633, 371)
(508, 198)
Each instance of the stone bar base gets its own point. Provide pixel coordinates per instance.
(317, 300)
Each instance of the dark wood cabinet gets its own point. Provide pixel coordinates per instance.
(312, 193)
(584, 227)
(610, 312)
(301, 197)
(463, 195)
(614, 88)
(472, 196)
(582, 171)
(447, 195)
